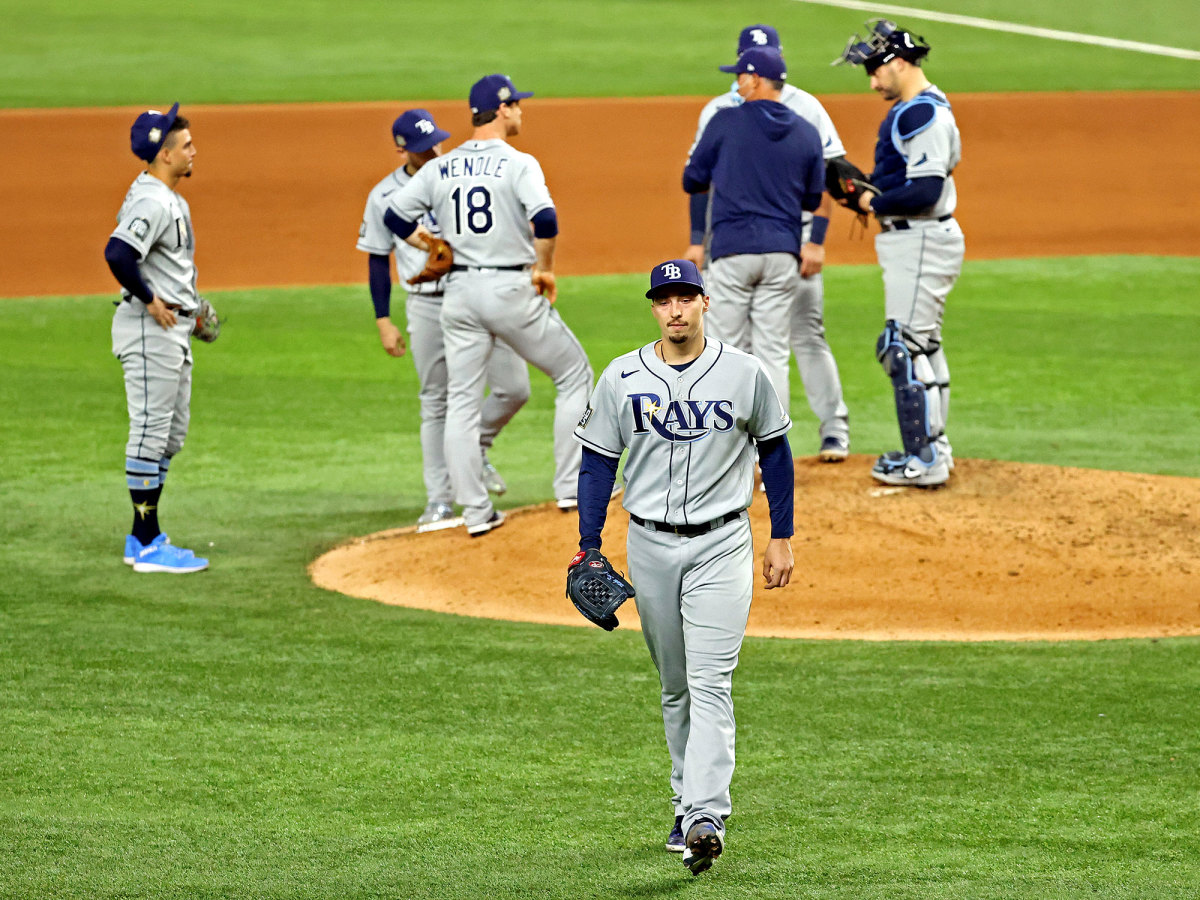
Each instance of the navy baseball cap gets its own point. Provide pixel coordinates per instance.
(674, 272)
(764, 61)
(758, 36)
(491, 91)
(150, 130)
(416, 131)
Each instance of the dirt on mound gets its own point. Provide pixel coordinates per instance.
(1005, 551)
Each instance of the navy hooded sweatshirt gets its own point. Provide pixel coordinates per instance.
(765, 167)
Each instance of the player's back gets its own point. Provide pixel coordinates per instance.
(483, 195)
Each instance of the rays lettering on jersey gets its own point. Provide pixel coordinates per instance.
(462, 166)
(680, 421)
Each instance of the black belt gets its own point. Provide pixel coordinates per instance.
(688, 530)
(905, 224)
(426, 293)
(187, 314)
(517, 268)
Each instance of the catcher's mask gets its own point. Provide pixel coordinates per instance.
(884, 42)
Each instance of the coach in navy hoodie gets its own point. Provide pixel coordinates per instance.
(764, 167)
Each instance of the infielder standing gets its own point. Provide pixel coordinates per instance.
(494, 209)
(151, 254)
(814, 358)
(693, 414)
(418, 141)
(920, 246)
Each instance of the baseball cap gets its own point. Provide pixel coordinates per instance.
(416, 131)
(673, 272)
(764, 61)
(492, 90)
(150, 130)
(758, 36)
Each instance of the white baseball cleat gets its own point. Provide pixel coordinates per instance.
(491, 524)
(944, 448)
(436, 517)
(567, 504)
(902, 469)
(491, 478)
(834, 449)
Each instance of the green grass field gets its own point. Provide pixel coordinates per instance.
(241, 733)
(63, 53)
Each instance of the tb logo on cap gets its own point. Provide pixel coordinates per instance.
(424, 126)
(670, 270)
(759, 36)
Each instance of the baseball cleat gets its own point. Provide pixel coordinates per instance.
(704, 844)
(491, 524)
(944, 448)
(133, 545)
(902, 469)
(168, 558)
(567, 504)
(834, 449)
(675, 842)
(436, 517)
(491, 478)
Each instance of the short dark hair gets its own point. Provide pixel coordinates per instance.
(178, 125)
(775, 83)
(482, 118)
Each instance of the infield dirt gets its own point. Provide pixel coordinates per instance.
(278, 191)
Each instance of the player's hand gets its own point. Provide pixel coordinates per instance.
(695, 254)
(545, 284)
(778, 563)
(390, 337)
(812, 259)
(161, 314)
(864, 202)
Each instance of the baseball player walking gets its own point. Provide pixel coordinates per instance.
(814, 358)
(920, 246)
(419, 141)
(692, 413)
(151, 254)
(495, 210)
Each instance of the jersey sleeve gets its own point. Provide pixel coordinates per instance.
(531, 188)
(929, 151)
(831, 142)
(414, 199)
(599, 427)
(142, 224)
(768, 418)
(373, 235)
(710, 110)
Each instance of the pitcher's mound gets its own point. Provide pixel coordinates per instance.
(1005, 551)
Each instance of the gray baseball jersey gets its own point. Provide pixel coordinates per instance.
(936, 150)
(689, 457)
(802, 103)
(375, 237)
(157, 222)
(483, 194)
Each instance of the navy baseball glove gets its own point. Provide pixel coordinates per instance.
(596, 588)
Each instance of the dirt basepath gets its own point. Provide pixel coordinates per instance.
(1004, 552)
(279, 190)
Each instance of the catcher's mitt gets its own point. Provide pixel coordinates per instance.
(208, 323)
(846, 182)
(596, 588)
(438, 263)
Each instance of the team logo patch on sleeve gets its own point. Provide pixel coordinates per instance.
(139, 228)
(585, 418)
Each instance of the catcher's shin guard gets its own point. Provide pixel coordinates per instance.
(913, 382)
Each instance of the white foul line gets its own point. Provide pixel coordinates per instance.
(1012, 27)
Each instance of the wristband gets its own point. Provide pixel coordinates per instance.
(820, 224)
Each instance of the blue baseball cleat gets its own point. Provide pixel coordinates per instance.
(675, 841)
(133, 545)
(165, 557)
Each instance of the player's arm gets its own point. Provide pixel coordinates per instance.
(597, 475)
(928, 148)
(545, 240)
(379, 274)
(698, 202)
(779, 481)
(812, 252)
(123, 259)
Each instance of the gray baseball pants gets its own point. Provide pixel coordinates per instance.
(507, 376)
(158, 379)
(693, 597)
(480, 307)
(760, 304)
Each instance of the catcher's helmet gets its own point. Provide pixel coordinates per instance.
(884, 42)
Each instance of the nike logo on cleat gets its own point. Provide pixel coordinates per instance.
(627, 374)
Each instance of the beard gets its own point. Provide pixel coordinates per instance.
(678, 338)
